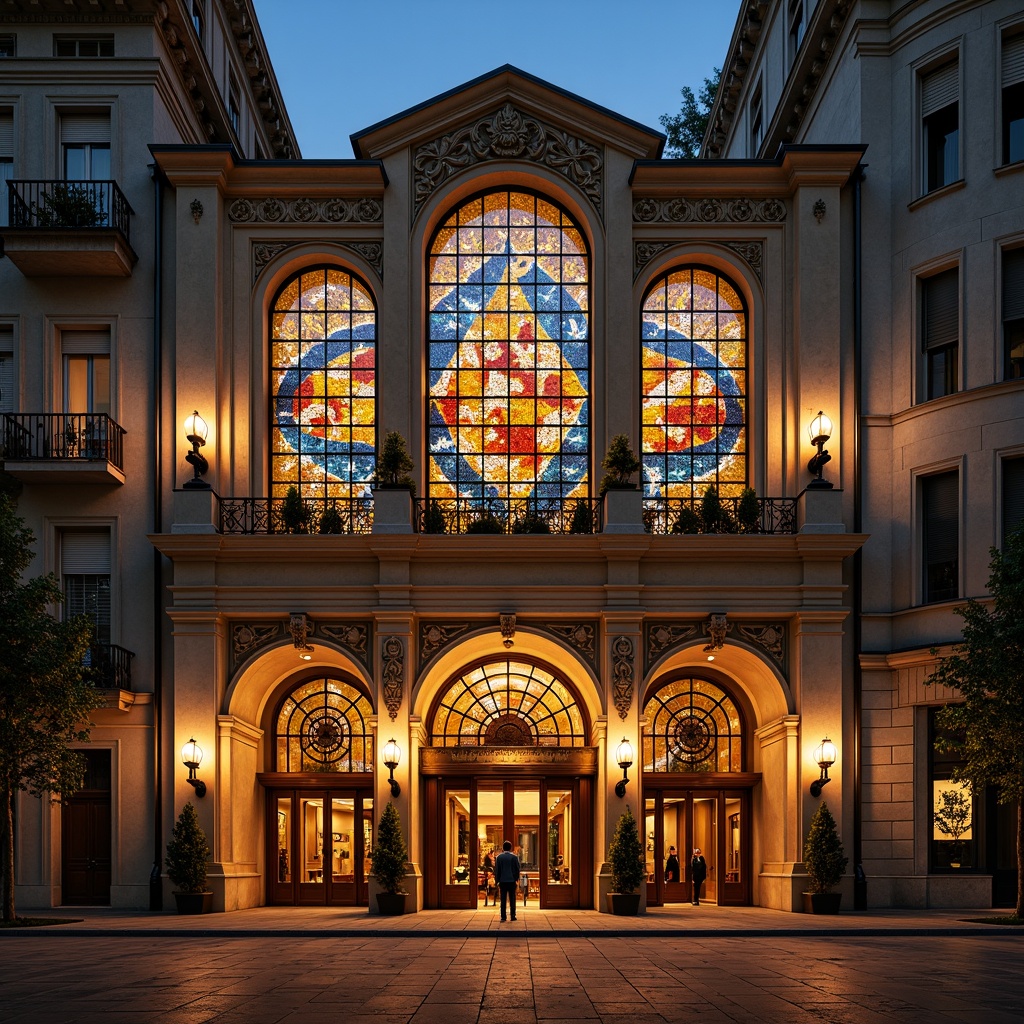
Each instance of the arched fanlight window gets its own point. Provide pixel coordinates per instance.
(323, 408)
(694, 380)
(508, 703)
(693, 725)
(508, 351)
(323, 726)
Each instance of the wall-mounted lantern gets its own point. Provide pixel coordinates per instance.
(825, 754)
(624, 757)
(192, 758)
(195, 431)
(820, 431)
(392, 755)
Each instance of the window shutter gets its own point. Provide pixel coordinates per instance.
(1013, 495)
(94, 128)
(85, 553)
(1013, 284)
(1013, 60)
(85, 343)
(6, 370)
(941, 517)
(6, 135)
(940, 88)
(941, 309)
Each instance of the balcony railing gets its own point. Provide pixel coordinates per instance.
(318, 515)
(689, 515)
(509, 515)
(33, 436)
(68, 205)
(109, 667)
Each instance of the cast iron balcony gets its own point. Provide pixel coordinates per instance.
(683, 515)
(314, 515)
(68, 228)
(508, 515)
(63, 447)
(109, 667)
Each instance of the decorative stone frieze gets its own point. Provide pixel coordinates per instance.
(580, 636)
(622, 674)
(752, 253)
(393, 652)
(770, 637)
(435, 636)
(708, 210)
(661, 637)
(434, 760)
(249, 637)
(264, 252)
(272, 210)
(353, 636)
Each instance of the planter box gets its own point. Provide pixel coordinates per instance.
(391, 904)
(822, 902)
(623, 510)
(623, 904)
(194, 902)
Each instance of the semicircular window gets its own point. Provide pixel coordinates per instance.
(322, 726)
(694, 367)
(323, 341)
(508, 703)
(509, 351)
(693, 726)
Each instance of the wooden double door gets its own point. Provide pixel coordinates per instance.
(86, 836)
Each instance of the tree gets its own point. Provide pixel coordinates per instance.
(986, 727)
(686, 129)
(45, 699)
(389, 856)
(187, 852)
(823, 851)
(626, 855)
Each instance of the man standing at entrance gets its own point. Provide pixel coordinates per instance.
(506, 874)
(698, 872)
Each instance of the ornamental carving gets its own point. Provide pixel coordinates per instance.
(434, 637)
(579, 636)
(247, 637)
(394, 671)
(580, 759)
(771, 638)
(272, 210)
(716, 627)
(662, 636)
(353, 636)
(708, 210)
(509, 134)
(752, 253)
(644, 252)
(622, 674)
(264, 252)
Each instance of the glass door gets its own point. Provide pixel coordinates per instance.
(562, 861)
(704, 837)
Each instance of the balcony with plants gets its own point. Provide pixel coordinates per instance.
(63, 447)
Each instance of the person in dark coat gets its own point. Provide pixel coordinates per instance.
(506, 874)
(698, 872)
(672, 866)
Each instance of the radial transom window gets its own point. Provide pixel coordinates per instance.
(509, 704)
(323, 727)
(694, 413)
(323, 337)
(693, 726)
(509, 351)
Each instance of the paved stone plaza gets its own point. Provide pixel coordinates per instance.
(315, 967)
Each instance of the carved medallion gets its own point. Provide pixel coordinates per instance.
(708, 210)
(661, 636)
(434, 637)
(509, 731)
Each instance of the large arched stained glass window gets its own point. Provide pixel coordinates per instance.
(323, 337)
(323, 726)
(508, 703)
(694, 413)
(693, 725)
(509, 351)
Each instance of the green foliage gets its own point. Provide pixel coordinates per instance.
(619, 463)
(688, 520)
(953, 814)
(389, 856)
(531, 523)
(394, 464)
(714, 516)
(626, 855)
(330, 520)
(986, 727)
(293, 512)
(823, 851)
(433, 518)
(187, 852)
(582, 518)
(486, 522)
(66, 205)
(45, 697)
(686, 129)
(748, 512)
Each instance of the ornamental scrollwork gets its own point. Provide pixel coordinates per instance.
(622, 674)
(708, 210)
(771, 638)
(247, 637)
(752, 253)
(273, 210)
(353, 636)
(579, 636)
(644, 252)
(265, 252)
(434, 636)
(661, 636)
(394, 671)
(509, 134)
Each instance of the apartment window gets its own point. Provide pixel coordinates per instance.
(83, 46)
(1013, 99)
(85, 574)
(1013, 314)
(1013, 496)
(940, 121)
(197, 18)
(86, 366)
(797, 26)
(940, 331)
(85, 146)
(233, 114)
(940, 535)
(756, 122)
(8, 45)
(6, 160)
(6, 370)
(952, 838)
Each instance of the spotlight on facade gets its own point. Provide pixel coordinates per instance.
(192, 758)
(820, 431)
(195, 432)
(825, 754)
(392, 755)
(624, 757)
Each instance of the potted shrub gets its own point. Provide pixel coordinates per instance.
(748, 512)
(394, 464)
(582, 518)
(433, 518)
(626, 857)
(186, 864)
(952, 816)
(293, 512)
(486, 522)
(330, 520)
(531, 523)
(688, 520)
(389, 857)
(825, 863)
(715, 517)
(619, 464)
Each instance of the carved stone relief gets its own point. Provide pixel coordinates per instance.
(716, 627)
(353, 636)
(249, 637)
(622, 674)
(264, 252)
(662, 636)
(393, 651)
(770, 637)
(708, 210)
(434, 637)
(752, 252)
(272, 210)
(580, 636)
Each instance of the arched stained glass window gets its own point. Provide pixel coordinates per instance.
(508, 703)
(509, 351)
(694, 412)
(693, 726)
(323, 339)
(322, 726)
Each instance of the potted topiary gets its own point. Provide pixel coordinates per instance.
(623, 502)
(952, 816)
(293, 512)
(531, 522)
(389, 857)
(619, 465)
(394, 464)
(330, 520)
(748, 512)
(486, 522)
(393, 488)
(186, 863)
(825, 863)
(626, 857)
(582, 517)
(434, 520)
(715, 517)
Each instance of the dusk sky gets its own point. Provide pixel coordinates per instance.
(344, 66)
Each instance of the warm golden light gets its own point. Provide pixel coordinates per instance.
(825, 753)
(195, 429)
(392, 754)
(820, 429)
(624, 754)
(191, 754)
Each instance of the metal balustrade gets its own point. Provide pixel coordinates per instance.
(319, 515)
(68, 205)
(686, 515)
(509, 515)
(109, 667)
(33, 436)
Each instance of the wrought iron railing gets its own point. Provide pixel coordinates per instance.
(314, 515)
(33, 436)
(508, 515)
(68, 204)
(693, 515)
(109, 667)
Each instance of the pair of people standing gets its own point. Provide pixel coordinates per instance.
(506, 874)
(698, 871)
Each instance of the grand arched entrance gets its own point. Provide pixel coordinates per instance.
(508, 759)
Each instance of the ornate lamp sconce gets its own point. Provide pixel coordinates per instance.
(825, 754)
(192, 758)
(392, 754)
(195, 432)
(820, 431)
(624, 757)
